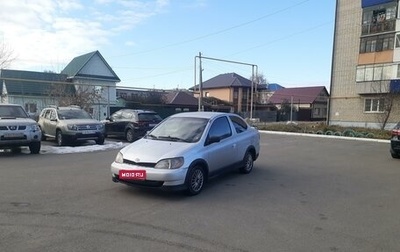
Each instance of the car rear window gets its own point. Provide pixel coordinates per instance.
(149, 117)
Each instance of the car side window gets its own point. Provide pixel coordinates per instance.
(46, 114)
(126, 115)
(116, 116)
(239, 124)
(220, 128)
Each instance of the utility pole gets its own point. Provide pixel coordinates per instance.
(200, 85)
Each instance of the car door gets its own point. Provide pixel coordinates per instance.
(242, 137)
(51, 123)
(111, 125)
(220, 145)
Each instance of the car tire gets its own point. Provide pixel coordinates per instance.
(59, 138)
(34, 147)
(395, 155)
(129, 135)
(248, 163)
(100, 140)
(43, 136)
(195, 180)
(16, 150)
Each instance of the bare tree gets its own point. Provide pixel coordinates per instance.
(259, 79)
(385, 101)
(6, 56)
(83, 96)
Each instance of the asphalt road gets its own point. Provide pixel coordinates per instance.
(305, 194)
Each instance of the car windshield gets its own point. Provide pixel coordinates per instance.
(149, 117)
(179, 129)
(73, 114)
(12, 112)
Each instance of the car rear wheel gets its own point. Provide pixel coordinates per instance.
(34, 147)
(248, 163)
(195, 180)
(130, 135)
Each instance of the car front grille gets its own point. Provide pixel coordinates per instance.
(151, 165)
(87, 127)
(13, 127)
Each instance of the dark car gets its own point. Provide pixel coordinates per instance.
(395, 142)
(131, 123)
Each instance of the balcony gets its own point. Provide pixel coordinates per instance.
(379, 27)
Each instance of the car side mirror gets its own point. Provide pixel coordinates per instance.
(212, 139)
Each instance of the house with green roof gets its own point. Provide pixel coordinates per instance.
(33, 89)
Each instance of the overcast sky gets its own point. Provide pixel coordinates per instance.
(153, 43)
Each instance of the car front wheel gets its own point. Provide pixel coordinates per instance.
(395, 155)
(60, 138)
(100, 140)
(34, 147)
(195, 180)
(248, 163)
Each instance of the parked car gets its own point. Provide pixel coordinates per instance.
(186, 149)
(18, 129)
(131, 123)
(70, 125)
(395, 142)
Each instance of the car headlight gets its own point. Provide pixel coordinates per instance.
(119, 158)
(33, 127)
(72, 127)
(170, 163)
(100, 126)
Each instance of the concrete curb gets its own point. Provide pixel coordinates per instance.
(324, 136)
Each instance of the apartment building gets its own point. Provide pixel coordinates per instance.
(365, 85)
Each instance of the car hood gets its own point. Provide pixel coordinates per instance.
(152, 151)
(81, 121)
(7, 120)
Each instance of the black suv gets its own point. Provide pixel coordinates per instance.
(395, 142)
(131, 124)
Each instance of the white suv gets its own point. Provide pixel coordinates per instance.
(69, 125)
(18, 129)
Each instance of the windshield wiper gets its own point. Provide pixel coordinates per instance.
(151, 136)
(174, 139)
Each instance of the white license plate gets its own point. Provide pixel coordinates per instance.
(13, 135)
(88, 132)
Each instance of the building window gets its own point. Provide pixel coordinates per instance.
(375, 72)
(377, 43)
(398, 71)
(374, 105)
(31, 107)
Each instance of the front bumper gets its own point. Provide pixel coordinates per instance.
(395, 146)
(74, 136)
(155, 178)
(22, 139)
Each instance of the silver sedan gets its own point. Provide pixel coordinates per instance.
(186, 149)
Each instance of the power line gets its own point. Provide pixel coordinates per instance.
(217, 32)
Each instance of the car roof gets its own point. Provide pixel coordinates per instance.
(201, 114)
(7, 104)
(137, 111)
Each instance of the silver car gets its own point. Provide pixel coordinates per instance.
(186, 149)
(18, 129)
(70, 125)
